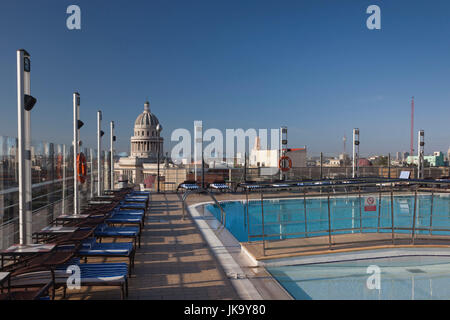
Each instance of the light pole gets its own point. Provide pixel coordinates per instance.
(198, 145)
(77, 124)
(113, 138)
(245, 167)
(158, 130)
(321, 165)
(25, 102)
(91, 154)
(283, 148)
(355, 167)
(420, 154)
(63, 207)
(203, 171)
(99, 153)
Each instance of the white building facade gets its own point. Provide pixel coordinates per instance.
(145, 144)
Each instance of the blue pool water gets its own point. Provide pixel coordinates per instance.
(400, 278)
(285, 218)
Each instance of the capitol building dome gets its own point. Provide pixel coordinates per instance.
(146, 141)
(146, 118)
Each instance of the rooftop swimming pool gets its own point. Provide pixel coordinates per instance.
(299, 217)
(402, 278)
(423, 275)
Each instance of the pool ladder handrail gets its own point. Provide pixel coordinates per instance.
(223, 217)
(201, 190)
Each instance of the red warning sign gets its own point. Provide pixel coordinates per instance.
(370, 204)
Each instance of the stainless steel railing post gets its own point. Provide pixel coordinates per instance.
(248, 218)
(360, 209)
(431, 213)
(379, 211)
(262, 221)
(414, 217)
(329, 222)
(182, 205)
(304, 209)
(223, 214)
(392, 213)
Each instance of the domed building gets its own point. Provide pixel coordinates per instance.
(146, 143)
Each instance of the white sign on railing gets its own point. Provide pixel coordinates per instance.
(370, 204)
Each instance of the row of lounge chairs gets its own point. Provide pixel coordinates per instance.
(333, 185)
(66, 245)
(192, 185)
(253, 186)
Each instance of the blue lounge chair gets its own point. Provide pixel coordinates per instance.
(122, 217)
(141, 202)
(140, 193)
(124, 206)
(98, 274)
(137, 199)
(219, 186)
(131, 206)
(252, 186)
(280, 185)
(138, 212)
(95, 274)
(91, 248)
(105, 231)
(40, 293)
(188, 186)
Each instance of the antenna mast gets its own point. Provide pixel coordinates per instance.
(412, 128)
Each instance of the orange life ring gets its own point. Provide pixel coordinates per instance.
(281, 162)
(81, 167)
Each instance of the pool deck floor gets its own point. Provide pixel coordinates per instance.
(174, 262)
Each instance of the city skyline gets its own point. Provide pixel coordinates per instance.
(314, 68)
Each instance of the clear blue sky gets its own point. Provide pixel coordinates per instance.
(310, 65)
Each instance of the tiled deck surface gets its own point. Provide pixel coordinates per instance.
(174, 262)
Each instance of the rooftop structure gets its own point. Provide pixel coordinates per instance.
(146, 147)
(146, 138)
(434, 160)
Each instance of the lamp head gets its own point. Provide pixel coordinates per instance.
(29, 102)
(77, 98)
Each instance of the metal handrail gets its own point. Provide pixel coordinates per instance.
(325, 231)
(414, 217)
(412, 230)
(35, 185)
(356, 183)
(202, 190)
(222, 211)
